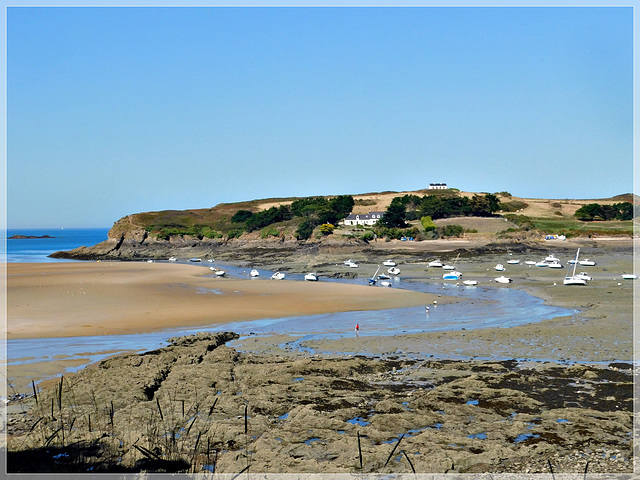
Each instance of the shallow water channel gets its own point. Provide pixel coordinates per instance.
(483, 307)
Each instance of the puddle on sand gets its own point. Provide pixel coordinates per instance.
(359, 421)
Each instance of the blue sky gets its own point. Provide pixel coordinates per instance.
(112, 111)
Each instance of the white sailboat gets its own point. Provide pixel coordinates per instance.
(254, 273)
(454, 274)
(574, 279)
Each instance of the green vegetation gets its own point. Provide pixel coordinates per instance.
(428, 224)
(595, 211)
(327, 228)
(450, 231)
(269, 231)
(413, 207)
(199, 231)
(410, 215)
(512, 206)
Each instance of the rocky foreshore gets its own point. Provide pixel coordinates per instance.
(200, 406)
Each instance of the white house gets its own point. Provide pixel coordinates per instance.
(438, 186)
(370, 218)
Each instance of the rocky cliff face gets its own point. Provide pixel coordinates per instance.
(128, 241)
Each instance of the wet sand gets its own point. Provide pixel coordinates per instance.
(107, 298)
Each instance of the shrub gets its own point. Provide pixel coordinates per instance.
(512, 206)
(450, 231)
(305, 230)
(269, 232)
(327, 228)
(428, 224)
(368, 236)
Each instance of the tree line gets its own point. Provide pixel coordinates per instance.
(313, 211)
(595, 211)
(413, 207)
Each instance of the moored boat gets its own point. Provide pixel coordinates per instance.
(254, 273)
(277, 276)
(455, 275)
(311, 277)
(503, 279)
(573, 279)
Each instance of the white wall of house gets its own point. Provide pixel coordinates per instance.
(364, 219)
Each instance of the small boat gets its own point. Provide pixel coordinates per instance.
(351, 264)
(394, 271)
(470, 282)
(218, 272)
(173, 259)
(542, 264)
(277, 276)
(254, 273)
(389, 263)
(551, 258)
(629, 276)
(435, 264)
(149, 261)
(555, 265)
(382, 276)
(499, 267)
(503, 279)
(574, 279)
(210, 260)
(513, 262)
(452, 275)
(374, 279)
(584, 276)
(529, 262)
(385, 284)
(311, 277)
(451, 267)
(587, 263)
(195, 259)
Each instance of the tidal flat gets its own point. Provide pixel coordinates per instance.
(551, 396)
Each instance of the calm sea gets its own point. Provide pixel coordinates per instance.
(37, 249)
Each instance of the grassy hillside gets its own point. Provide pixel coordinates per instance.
(549, 216)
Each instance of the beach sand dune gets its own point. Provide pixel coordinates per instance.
(106, 298)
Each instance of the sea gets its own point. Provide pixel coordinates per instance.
(36, 250)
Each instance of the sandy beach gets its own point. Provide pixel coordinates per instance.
(106, 298)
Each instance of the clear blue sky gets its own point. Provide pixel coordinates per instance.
(112, 111)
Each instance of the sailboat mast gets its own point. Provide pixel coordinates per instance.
(575, 264)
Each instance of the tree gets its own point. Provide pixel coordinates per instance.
(394, 217)
(588, 212)
(304, 231)
(241, 216)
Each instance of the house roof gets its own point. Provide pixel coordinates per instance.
(364, 216)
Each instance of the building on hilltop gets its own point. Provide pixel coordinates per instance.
(370, 218)
(438, 186)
